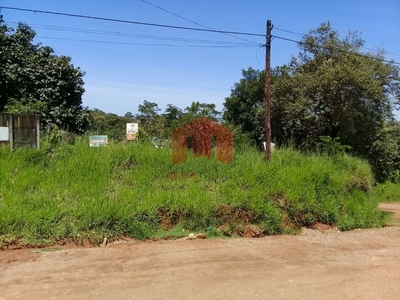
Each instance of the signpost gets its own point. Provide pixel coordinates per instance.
(98, 140)
(132, 131)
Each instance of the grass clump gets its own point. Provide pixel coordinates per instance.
(387, 192)
(73, 193)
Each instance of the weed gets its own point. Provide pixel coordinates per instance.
(81, 194)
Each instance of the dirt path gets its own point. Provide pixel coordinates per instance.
(360, 264)
(393, 208)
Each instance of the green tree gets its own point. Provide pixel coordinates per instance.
(148, 110)
(129, 115)
(35, 80)
(245, 107)
(172, 113)
(198, 110)
(334, 90)
(330, 89)
(109, 124)
(151, 123)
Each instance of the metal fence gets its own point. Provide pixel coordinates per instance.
(23, 130)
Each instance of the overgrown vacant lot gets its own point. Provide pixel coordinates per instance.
(73, 193)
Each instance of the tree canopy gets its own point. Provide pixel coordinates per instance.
(334, 90)
(35, 80)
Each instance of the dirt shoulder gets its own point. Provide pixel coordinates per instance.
(360, 264)
(394, 209)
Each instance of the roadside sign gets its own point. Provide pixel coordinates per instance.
(98, 140)
(132, 131)
(4, 136)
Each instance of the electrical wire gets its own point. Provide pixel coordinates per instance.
(144, 44)
(339, 50)
(303, 35)
(131, 22)
(182, 28)
(193, 22)
(291, 32)
(141, 36)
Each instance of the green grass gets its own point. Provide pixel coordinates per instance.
(73, 193)
(387, 192)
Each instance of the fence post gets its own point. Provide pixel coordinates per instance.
(37, 133)
(11, 131)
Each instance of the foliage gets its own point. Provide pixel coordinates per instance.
(333, 91)
(109, 124)
(35, 80)
(384, 154)
(153, 124)
(245, 105)
(387, 192)
(76, 193)
(329, 89)
(148, 110)
(172, 113)
(129, 115)
(330, 146)
(200, 110)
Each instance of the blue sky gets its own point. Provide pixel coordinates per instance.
(126, 64)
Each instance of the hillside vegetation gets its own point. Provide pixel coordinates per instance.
(73, 193)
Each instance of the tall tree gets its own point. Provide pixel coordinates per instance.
(151, 123)
(35, 80)
(148, 109)
(330, 89)
(335, 90)
(205, 110)
(172, 113)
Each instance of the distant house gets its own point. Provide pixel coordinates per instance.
(201, 131)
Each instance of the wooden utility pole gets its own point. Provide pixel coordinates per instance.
(268, 93)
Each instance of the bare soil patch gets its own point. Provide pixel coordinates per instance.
(360, 264)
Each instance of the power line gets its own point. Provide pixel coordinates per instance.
(145, 44)
(303, 35)
(181, 28)
(291, 32)
(131, 22)
(141, 36)
(339, 50)
(193, 22)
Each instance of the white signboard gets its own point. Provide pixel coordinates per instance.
(4, 134)
(98, 140)
(265, 146)
(132, 131)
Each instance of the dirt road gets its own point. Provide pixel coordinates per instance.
(360, 264)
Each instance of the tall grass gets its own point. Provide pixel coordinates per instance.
(76, 193)
(387, 192)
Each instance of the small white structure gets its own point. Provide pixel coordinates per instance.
(265, 146)
(159, 143)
